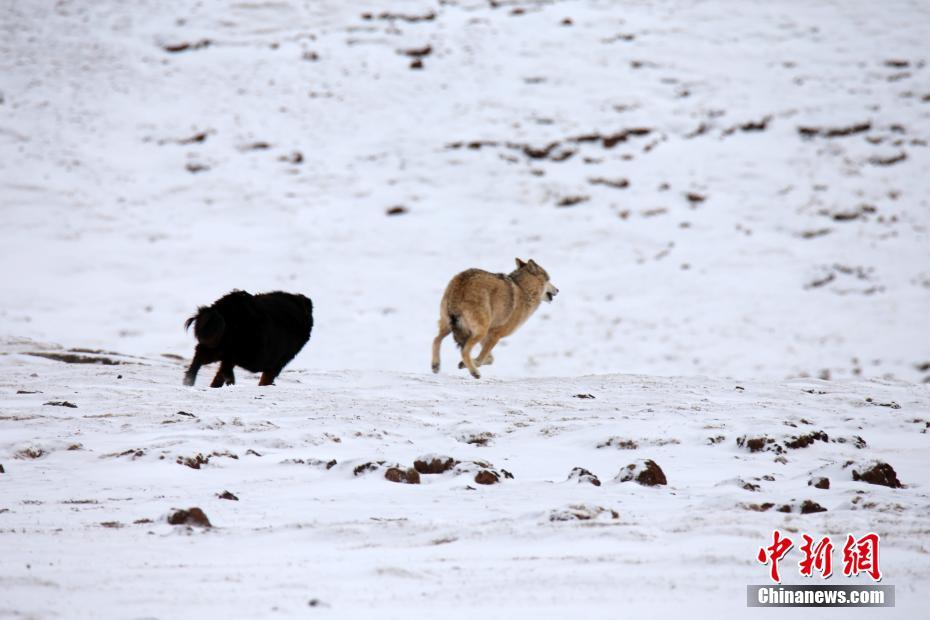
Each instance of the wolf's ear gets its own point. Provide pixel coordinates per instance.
(520, 264)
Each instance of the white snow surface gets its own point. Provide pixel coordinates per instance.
(749, 280)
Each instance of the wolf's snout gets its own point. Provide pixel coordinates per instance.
(551, 292)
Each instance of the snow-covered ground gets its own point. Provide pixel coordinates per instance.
(729, 190)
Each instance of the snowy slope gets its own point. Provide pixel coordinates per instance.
(304, 528)
(110, 241)
(726, 193)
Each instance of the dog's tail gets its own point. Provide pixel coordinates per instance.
(459, 332)
(209, 326)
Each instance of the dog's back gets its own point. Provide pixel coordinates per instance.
(260, 333)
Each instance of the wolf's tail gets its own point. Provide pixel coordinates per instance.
(209, 326)
(459, 332)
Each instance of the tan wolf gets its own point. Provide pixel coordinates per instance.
(479, 306)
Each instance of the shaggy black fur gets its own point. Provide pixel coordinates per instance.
(459, 333)
(260, 333)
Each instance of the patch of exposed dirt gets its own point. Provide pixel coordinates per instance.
(879, 473)
(432, 464)
(581, 512)
(406, 476)
(647, 473)
(190, 517)
(582, 475)
(61, 403)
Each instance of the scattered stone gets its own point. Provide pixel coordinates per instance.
(416, 63)
(364, 468)
(888, 161)
(584, 395)
(294, 157)
(2, 471)
(418, 52)
(28, 392)
(408, 476)
(30, 453)
(195, 168)
(749, 486)
(580, 512)
(694, 198)
(185, 413)
(615, 183)
(61, 403)
(879, 473)
(646, 473)
(487, 476)
(252, 452)
(571, 201)
(808, 506)
(759, 507)
(191, 517)
(227, 495)
(819, 483)
(891, 404)
(478, 439)
(619, 443)
(194, 462)
(142, 521)
(580, 474)
(426, 17)
(784, 508)
(397, 210)
(834, 132)
(432, 464)
(174, 48)
(715, 440)
(759, 444)
(805, 440)
(567, 21)
(71, 358)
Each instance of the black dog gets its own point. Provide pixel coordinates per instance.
(258, 332)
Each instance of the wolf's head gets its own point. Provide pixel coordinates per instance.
(537, 278)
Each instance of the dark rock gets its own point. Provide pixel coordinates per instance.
(819, 483)
(581, 474)
(227, 495)
(807, 507)
(647, 473)
(406, 476)
(364, 468)
(805, 440)
(487, 476)
(397, 210)
(784, 508)
(434, 464)
(880, 473)
(759, 507)
(61, 403)
(584, 396)
(191, 516)
(2, 471)
(416, 63)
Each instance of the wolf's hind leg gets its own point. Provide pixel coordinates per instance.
(444, 330)
(485, 358)
(466, 356)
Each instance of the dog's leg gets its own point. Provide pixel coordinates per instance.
(201, 357)
(485, 358)
(444, 330)
(466, 356)
(268, 377)
(224, 376)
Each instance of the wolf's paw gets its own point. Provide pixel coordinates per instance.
(188, 380)
(435, 368)
(461, 365)
(476, 374)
